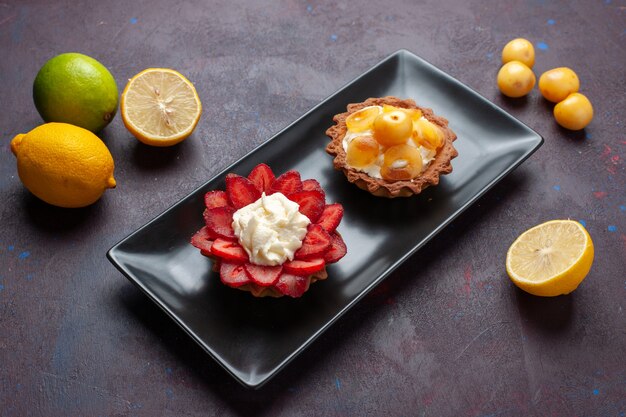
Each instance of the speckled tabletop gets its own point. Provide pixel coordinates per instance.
(446, 334)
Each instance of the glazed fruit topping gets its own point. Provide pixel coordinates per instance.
(263, 275)
(315, 243)
(292, 285)
(304, 267)
(229, 250)
(215, 198)
(233, 275)
(262, 177)
(368, 147)
(311, 203)
(321, 245)
(288, 183)
(331, 217)
(337, 249)
(312, 185)
(219, 222)
(202, 240)
(241, 191)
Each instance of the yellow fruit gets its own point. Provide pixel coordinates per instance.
(362, 151)
(519, 49)
(550, 259)
(401, 162)
(64, 165)
(363, 119)
(393, 128)
(160, 107)
(427, 134)
(558, 83)
(75, 88)
(574, 113)
(515, 79)
(413, 113)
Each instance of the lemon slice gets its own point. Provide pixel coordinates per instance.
(550, 259)
(160, 107)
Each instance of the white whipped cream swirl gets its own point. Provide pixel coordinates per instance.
(271, 229)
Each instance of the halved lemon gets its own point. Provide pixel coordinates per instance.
(160, 107)
(550, 259)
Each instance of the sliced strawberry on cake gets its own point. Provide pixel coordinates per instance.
(271, 236)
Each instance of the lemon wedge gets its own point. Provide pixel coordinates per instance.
(160, 107)
(550, 259)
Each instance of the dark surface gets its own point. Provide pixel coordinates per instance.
(445, 334)
(160, 260)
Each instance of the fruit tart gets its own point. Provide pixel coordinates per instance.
(270, 236)
(391, 147)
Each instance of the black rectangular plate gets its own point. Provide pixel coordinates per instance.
(255, 338)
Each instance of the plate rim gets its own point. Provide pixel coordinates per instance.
(112, 257)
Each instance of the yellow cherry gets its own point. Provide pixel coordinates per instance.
(362, 151)
(393, 128)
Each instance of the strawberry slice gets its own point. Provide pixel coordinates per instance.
(219, 222)
(215, 198)
(202, 240)
(311, 203)
(229, 250)
(241, 191)
(263, 275)
(262, 177)
(331, 217)
(311, 185)
(233, 275)
(315, 243)
(337, 249)
(288, 183)
(292, 285)
(303, 267)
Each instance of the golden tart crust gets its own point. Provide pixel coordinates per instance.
(380, 187)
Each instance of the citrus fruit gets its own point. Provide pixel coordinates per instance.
(515, 79)
(574, 113)
(550, 259)
(74, 88)
(519, 49)
(160, 107)
(64, 165)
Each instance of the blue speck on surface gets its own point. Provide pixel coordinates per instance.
(543, 46)
(333, 37)
(169, 392)
(168, 371)
(489, 55)
(29, 277)
(1, 287)
(596, 391)
(622, 208)
(24, 255)
(309, 8)
(557, 188)
(337, 383)
(11, 247)
(551, 21)
(587, 135)
(133, 20)
(612, 228)
(584, 223)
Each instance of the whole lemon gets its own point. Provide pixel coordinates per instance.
(64, 165)
(75, 88)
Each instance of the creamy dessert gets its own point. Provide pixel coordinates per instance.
(270, 236)
(391, 147)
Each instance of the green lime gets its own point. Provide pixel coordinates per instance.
(74, 88)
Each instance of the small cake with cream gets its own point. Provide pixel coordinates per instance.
(391, 147)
